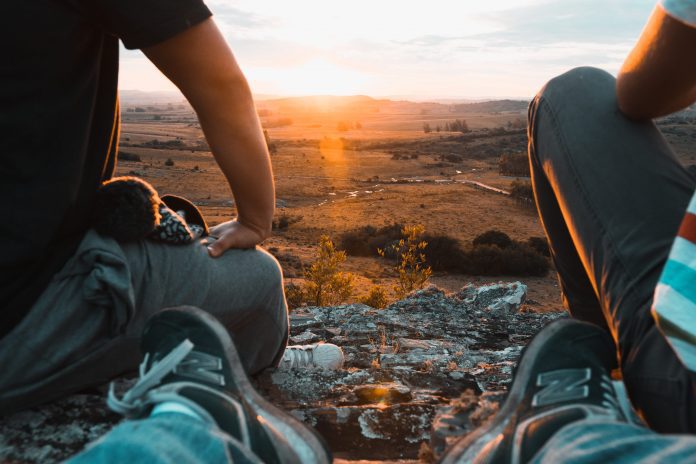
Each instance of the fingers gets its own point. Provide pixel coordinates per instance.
(233, 235)
(219, 246)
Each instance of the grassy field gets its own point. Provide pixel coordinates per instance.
(342, 163)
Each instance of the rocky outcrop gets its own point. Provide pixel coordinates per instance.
(431, 358)
(426, 369)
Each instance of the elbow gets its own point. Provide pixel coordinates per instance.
(632, 105)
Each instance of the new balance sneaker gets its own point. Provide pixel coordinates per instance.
(323, 355)
(563, 376)
(191, 360)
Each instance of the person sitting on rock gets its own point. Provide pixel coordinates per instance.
(73, 302)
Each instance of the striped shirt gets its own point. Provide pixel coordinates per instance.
(674, 302)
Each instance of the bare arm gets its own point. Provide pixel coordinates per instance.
(199, 62)
(659, 75)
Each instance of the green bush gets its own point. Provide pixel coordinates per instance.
(366, 240)
(127, 156)
(491, 253)
(295, 296)
(411, 265)
(377, 298)
(514, 164)
(326, 284)
(522, 190)
(493, 237)
(444, 253)
(540, 245)
(518, 259)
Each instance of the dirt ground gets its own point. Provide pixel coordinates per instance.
(342, 164)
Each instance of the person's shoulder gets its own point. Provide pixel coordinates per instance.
(682, 10)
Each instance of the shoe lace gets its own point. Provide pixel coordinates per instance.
(299, 356)
(609, 399)
(131, 404)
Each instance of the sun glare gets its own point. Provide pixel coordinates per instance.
(318, 77)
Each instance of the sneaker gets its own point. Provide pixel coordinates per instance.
(190, 359)
(323, 355)
(562, 377)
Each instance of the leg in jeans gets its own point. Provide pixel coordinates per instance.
(593, 441)
(86, 327)
(166, 439)
(611, 196)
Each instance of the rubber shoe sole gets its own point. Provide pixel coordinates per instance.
(307, 446)
(482, 441)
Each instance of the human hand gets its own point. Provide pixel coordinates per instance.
(234, 234)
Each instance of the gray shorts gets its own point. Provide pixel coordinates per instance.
(85, 328)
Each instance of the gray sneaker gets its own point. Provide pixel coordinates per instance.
(562, 377)
(191, 359)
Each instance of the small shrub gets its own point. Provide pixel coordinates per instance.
(540, 245)
(411, 267)
(126, 156)
(514, 164)
(522, 190)
(326, 284)
(368, 239)
(295, 296)
(518, 259)
(493, 237)
(444, 253)
(169, 162)
(377, 298)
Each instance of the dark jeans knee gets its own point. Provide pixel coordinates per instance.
(570, 100)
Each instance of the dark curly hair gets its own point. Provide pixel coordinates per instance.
(126, 208)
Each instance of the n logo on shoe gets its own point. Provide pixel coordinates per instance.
(562, 385)
(201, 366)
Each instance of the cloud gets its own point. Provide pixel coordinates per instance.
(464, 48)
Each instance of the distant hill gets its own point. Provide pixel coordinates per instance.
(494, 106)
(356, 104)
(132, 97)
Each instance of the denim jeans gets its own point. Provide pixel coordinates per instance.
(617, 443)
(179, 439)
(611, 195)
(170, 438)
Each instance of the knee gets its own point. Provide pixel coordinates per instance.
(578, 84)
(572, 100)
(268, 272)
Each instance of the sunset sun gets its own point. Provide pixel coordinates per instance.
(316, 77)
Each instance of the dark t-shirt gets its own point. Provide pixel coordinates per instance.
(59, 125)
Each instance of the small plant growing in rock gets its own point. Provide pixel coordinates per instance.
(411, 266)
(326, 283)
(294, 295)
(377, 298)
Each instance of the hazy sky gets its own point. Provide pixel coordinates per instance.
(427, 48)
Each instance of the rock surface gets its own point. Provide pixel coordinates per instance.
(425, 370)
